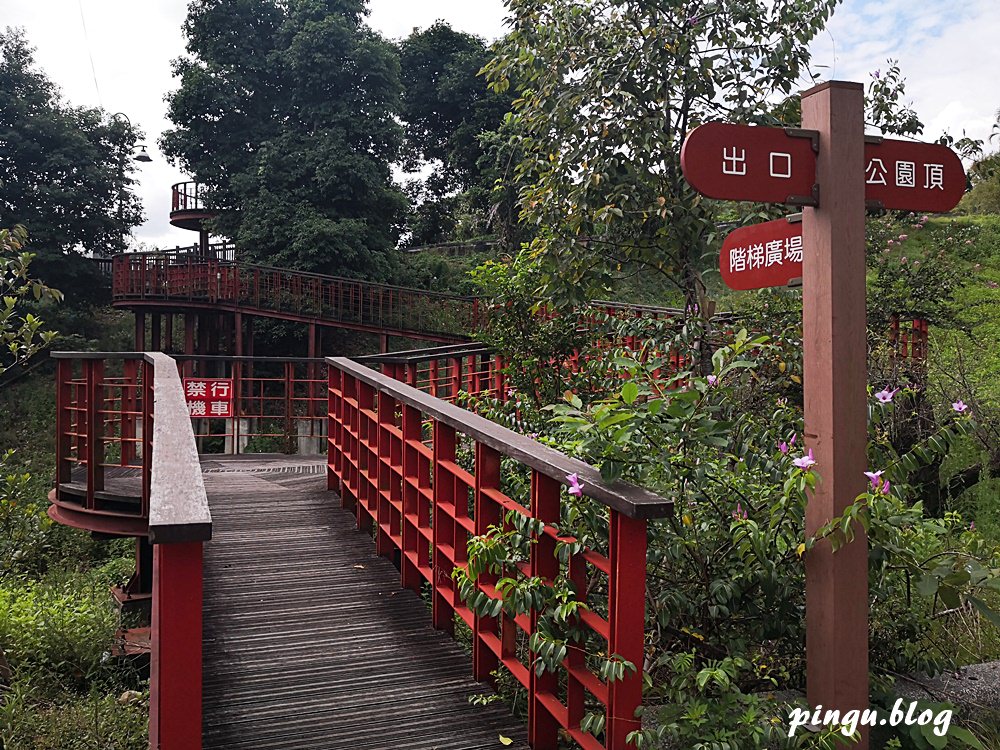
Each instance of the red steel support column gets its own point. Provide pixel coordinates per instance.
(155, 332)
(627, 622)
(140, 331)
(175, 659)
(835, 374)
(168, 333)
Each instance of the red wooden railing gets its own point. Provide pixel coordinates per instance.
(186, 196)
(427, 475)
(126, 469)
(185, 279)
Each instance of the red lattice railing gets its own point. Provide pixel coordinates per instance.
(425, 476)
(185, 278)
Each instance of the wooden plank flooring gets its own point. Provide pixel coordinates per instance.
(309, 640)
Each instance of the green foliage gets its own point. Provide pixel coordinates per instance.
(21, 333)
(67, 174)
(452, 120)
(606, 93)
(531, 341)
(65, 692)
(286, 111)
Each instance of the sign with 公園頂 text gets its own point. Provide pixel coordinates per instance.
(744, 163)
(775, 165)
(762, 255)
(209, 397)
(911, 176)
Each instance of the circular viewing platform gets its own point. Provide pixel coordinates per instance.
(187, 208)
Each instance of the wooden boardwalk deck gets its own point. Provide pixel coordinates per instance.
(309, 640)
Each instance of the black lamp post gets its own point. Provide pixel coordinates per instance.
(141, 156)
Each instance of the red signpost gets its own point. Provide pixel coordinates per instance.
(832, 170)
(763, 255)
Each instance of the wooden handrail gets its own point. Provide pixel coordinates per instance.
(178, 504)
(632, 501)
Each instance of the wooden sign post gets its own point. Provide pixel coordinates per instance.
(835, 372)
(833, 171)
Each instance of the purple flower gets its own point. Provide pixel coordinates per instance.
(992, 284)
(875, 477)
(712, 380)
(792, 441)
(692, 20)
(960, 406)
(805, 462)
(783, 447)
(511, 391)
(533, 436)
(972, 526)
(885, 395)
(885, 487)
(575, 488)
(739, 514)
(877, 74)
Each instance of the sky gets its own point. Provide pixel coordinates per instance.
(116, 54)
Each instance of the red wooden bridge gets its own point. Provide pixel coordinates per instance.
(304, 602)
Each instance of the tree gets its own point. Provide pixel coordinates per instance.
(450, 116)
(286, 113)
(608, 89)
(22, 334)
(65, 173)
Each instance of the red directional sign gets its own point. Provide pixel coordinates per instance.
(774, 165)
(762, 255)
(743, 163)
(912, 176)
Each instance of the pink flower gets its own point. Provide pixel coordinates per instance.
(739, 514)
(972, 526)
(885, 487)
(783, 447)
(968, 242)
(712, 380)
(805, 462)
(575, 488)
(892, 242)
(960, 406)
(903, 259)
(885, 395)
(902, 237)
(511, 392)
(875, 477)
(792, 441)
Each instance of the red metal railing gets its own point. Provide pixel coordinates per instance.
(426, 476)
(183, 278)
(279, 404)
(123, 470)
(186, 196)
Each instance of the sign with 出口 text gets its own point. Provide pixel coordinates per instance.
(209, 397)
(777, 165)
(744, 163)
(762, 255)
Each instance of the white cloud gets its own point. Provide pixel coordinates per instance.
(948, 51)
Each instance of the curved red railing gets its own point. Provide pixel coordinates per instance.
(187, 279)
(186, 196)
